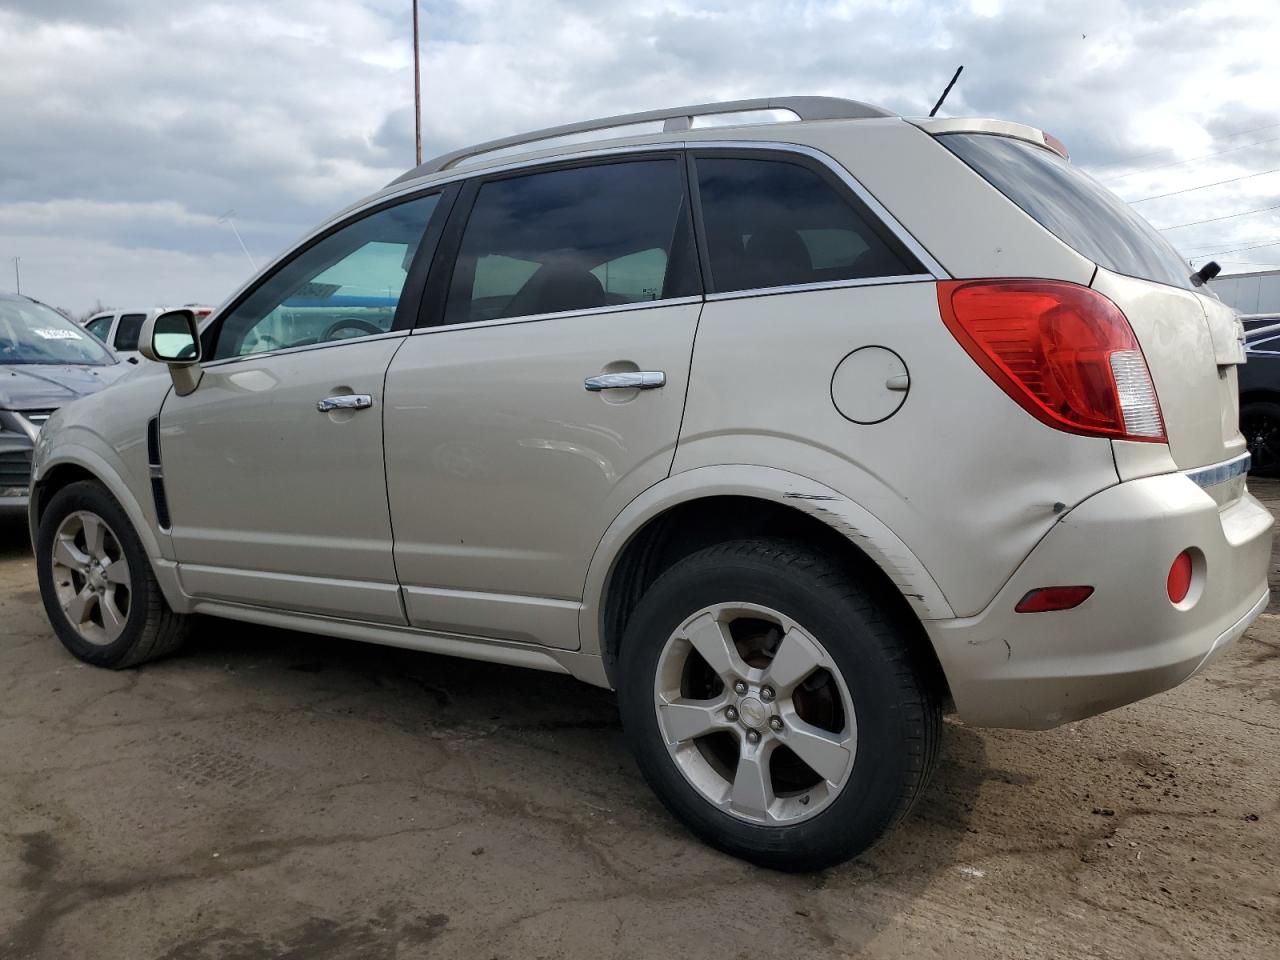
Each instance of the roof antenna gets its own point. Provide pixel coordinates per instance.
(954, 77)
(1206, 273)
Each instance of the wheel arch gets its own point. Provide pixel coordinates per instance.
(708, 505)
(73, 463)
(53, 479)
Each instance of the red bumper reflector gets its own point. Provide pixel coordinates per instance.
(1179, 584)
(1053, 598)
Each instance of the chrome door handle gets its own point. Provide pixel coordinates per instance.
(640, 380)
(348, 401)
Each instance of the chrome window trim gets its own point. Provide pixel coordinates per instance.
(1217, 473)
(284, 351)
(354, 211)
(878, 209)
(821, 285)
(935, 269)
(539, 317)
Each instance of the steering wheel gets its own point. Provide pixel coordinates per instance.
(350, 323)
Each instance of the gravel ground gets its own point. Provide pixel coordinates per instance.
(276, 795)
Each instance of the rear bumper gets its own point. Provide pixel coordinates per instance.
(1127, 641)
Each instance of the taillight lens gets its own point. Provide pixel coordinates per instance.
(1063, 352)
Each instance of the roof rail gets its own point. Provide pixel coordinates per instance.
(675, 118)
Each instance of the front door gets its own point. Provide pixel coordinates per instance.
(273, 465)
(504, 465)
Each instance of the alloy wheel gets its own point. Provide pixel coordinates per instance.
(755, 714)
(91, 577)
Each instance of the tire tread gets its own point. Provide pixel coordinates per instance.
(886, 635)
(921, 702)
(161, 631)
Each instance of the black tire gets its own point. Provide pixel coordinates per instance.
(151, 629)
(896, 706)
(1260, 424)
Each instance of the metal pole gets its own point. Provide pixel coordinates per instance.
(17, 274)
(417, 92)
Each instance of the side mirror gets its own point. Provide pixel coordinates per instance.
(173, 338)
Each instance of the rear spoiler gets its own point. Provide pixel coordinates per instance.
(937, 126)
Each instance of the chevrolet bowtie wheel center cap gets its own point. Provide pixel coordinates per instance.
(754, 714)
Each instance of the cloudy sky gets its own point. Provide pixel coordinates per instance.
(131, 126)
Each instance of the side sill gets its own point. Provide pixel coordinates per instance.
(470, 648)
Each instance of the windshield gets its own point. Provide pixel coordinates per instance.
(33, 333)
(1070, 204)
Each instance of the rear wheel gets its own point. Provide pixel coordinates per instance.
(774, 707)
(96, 582)
(1260, 424)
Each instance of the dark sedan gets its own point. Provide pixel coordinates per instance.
(45, 361)
(1260, 393)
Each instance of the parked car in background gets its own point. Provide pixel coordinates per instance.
(46, 361)
(791, 433)
(119, 329)
(1260, 392)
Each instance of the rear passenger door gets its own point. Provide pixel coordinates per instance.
(545, 393)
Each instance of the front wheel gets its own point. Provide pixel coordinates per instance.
(96, 582)
(774, 707)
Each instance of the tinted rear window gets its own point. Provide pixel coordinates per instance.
(774, 223)
(1071, 205)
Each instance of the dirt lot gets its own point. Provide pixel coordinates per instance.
(273, 795)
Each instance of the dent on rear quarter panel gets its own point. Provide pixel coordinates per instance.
(965, 478)
(764, 483)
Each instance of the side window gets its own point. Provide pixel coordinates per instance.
(346, 285)
(99, 327)
(575, 239)
(774, 223)
(127, 331)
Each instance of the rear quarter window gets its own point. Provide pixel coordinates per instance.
(775, 223)
(1071, 205)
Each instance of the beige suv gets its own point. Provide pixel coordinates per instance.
(792, 432)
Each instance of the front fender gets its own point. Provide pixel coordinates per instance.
(83, 449)
(840, 513)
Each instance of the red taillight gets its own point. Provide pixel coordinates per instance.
(1179, 583)
(1064, 353)
(1053, 598)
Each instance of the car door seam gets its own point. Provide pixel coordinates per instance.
(386, 481)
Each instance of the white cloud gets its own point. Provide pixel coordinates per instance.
(132, 125)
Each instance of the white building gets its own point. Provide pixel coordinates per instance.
(1250, 292)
